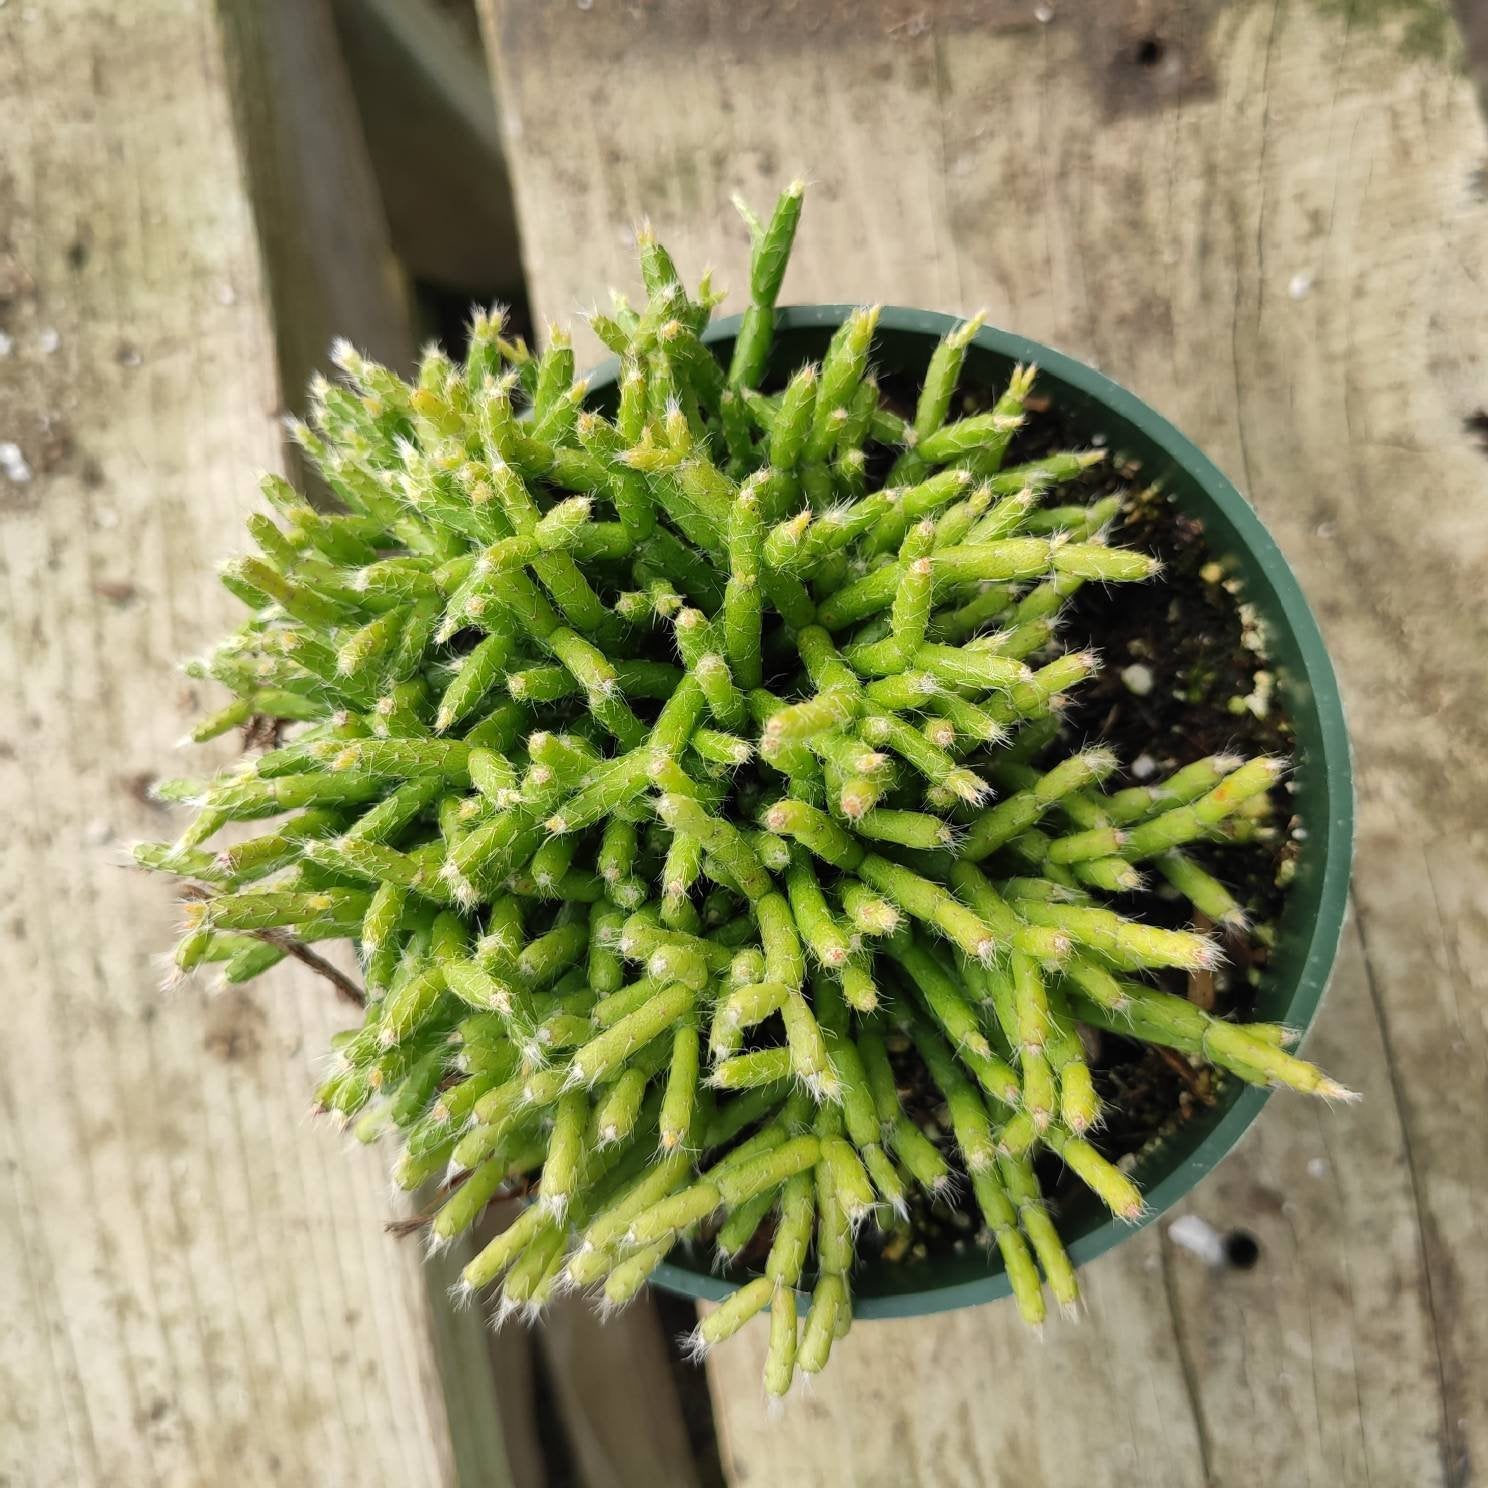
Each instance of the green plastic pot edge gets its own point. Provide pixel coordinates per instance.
(1311, 693)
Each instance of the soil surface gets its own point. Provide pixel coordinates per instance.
(1184, 675)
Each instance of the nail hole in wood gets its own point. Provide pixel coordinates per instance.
(1242, 1249)
(1150, 51)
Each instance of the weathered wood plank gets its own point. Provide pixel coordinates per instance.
(197, 1288)
(1264, 219)
(968, 1399)
(487, 1394)
(1329, 1341)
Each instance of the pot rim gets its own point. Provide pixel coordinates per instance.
(1334, 842)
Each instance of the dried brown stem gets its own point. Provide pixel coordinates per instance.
(345, 987)
(1185, 1072)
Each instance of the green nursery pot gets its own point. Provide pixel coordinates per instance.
(1312, 917)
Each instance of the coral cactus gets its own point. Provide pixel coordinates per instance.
(672, 765)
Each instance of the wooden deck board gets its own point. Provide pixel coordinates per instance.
(196, 1286)
(1275, 231)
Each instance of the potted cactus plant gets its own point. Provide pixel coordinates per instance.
(695, 757)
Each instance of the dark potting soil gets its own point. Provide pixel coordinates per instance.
(1210, 693)
(1184, 674)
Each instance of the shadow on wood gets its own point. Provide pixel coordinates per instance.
(427, 112)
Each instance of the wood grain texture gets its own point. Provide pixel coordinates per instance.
(196, 1288)
(1271, 224)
